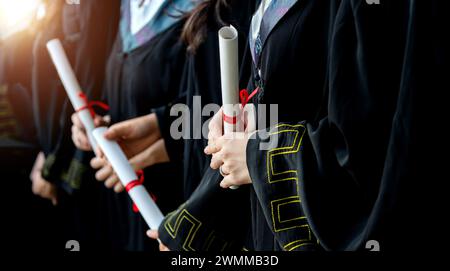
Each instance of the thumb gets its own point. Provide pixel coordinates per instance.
(118, 131)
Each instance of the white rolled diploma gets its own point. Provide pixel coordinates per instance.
(147, 207)
(229, 72)
(72, 86)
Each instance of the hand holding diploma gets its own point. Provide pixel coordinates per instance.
(229, 153)
(140, 140)
(129, 179)
(230, 115)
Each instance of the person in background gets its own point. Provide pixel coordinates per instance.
(143, 75)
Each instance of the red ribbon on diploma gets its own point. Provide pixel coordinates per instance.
(90, 105)
(245, 98)
(138, 182)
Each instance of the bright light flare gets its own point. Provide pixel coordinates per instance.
(16, 14)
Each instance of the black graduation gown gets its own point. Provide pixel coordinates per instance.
(48, 95)
(18, 152)
(139, 83)
(89, 32)
(361, 163)
(202, 222)
(291, 72)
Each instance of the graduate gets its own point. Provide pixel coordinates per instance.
(18, 149)
(287, 50)
(47, 96)
(89, 33)
(358, 167)
(202, 74)
(202, 79)
(143, 75)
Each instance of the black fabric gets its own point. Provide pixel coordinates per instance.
(291, 73)
(18, 152)
(362, 165)
(87, 32)
(212, 219)
(48, 95)
(212, 210)
(137, 84)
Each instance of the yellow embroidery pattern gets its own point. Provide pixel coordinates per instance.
(290, 204)
(183, 215)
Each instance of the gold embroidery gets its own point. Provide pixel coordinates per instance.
(173, 230)
(292, 202)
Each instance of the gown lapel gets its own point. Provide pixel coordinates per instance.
(273, 15)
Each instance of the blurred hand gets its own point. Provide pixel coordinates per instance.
(154, 235)
(40, 186)
(79, 136)
(155, 154)
(135, 135)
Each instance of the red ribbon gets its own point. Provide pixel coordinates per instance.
(230, 120)
(90, 105)
(135, 183)
(245, 98)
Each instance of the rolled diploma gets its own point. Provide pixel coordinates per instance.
(70, 82)
(229, 72)
(147, 207)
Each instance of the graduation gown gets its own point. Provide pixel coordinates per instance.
(87, 35)
(357, 170)
(18, 152)
(89, 31)
(139, 83)
(202, 222)
(290, 67)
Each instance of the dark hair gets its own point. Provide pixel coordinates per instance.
(196, 26)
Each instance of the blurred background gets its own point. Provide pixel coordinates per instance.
(27, 220)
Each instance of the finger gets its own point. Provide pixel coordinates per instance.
(97, 162)
(111, 182)
(214, 145)
(215, 125)
(225, 169)
(104, 173)
(228, 182)
(217, 160)
(119, 131)
(76, 121)
(163, 247)
(82, 139)
(153, 234)
(99, 153)
(118, 188)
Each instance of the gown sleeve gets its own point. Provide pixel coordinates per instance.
(355, 172)
(209, 220)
